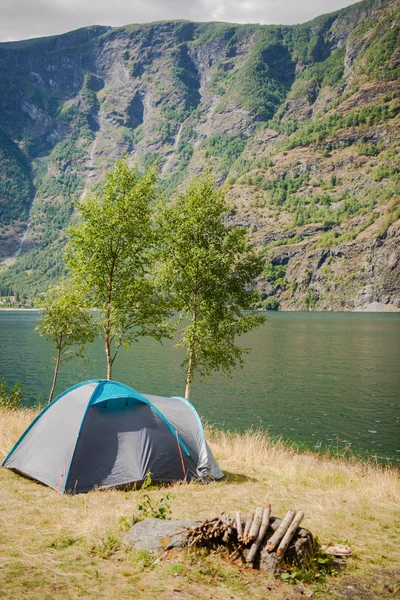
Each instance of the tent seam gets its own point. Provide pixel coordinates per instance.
(190, 405)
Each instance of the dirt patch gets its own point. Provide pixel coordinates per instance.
(380, 585)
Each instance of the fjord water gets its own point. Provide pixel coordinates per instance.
(316, 379)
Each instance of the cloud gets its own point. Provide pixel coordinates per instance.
(20, 19)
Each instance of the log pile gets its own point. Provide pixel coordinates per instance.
(246, 538)
(212, 532)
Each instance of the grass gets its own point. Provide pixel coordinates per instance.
(61, 547)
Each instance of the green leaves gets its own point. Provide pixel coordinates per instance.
(65, 322)
(209, 269)
(132, 269)
(150, 508)
(111, 253)
(10, 397)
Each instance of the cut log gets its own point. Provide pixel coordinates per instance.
(247, 526)
(280, 532)
(290, 533)
(261, 534)
(239, 526)
(255, 526)
(336, 550)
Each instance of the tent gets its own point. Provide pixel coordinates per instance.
(101, 434)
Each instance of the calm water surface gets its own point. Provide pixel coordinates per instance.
(316, 379)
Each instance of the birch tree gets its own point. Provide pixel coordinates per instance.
(209, 268)
(67, 324)
(111, 255)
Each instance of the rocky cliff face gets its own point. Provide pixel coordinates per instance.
(300, 123)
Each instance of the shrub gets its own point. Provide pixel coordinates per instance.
(10, 399)
(149, 508)
(272, 303)
(276, 274)
(311, 299)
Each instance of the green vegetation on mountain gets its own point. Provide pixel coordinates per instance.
(16, 188)
(299, 123)
(224, 149)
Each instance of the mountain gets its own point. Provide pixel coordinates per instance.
(299, 122)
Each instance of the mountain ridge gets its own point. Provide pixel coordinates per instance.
(299, 122)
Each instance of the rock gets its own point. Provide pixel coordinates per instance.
(377, 307)
(365, 296)
(268, 562)
(339, 564)
(157, 535)
(352, 51)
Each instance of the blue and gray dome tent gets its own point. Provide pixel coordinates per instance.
(101, 434)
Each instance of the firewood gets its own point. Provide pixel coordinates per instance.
(239, 526)
(280, 532)
(289, 533)
(255, 526)
(214, 527)
(247, 527)
(336, 549)
(261, 534)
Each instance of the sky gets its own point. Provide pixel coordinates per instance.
(21, 19)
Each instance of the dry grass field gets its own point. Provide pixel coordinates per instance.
(68, 547)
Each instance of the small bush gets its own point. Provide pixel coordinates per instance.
(10, 399)
(127, 523)
(63, 541)
(148, 508)
(271, 303)
(144, 558)
(276, 274)
(311, 299)
(108, 545)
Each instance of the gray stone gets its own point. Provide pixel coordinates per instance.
(377, 307)
(365, 296)
(156, 535)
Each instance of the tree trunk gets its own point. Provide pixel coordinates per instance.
(189, 376)
(107, 332)
(107, 324)
(55, 375)
(192, 341)
(108, 355)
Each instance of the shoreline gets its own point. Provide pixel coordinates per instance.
(392, 310)
(20, 309)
